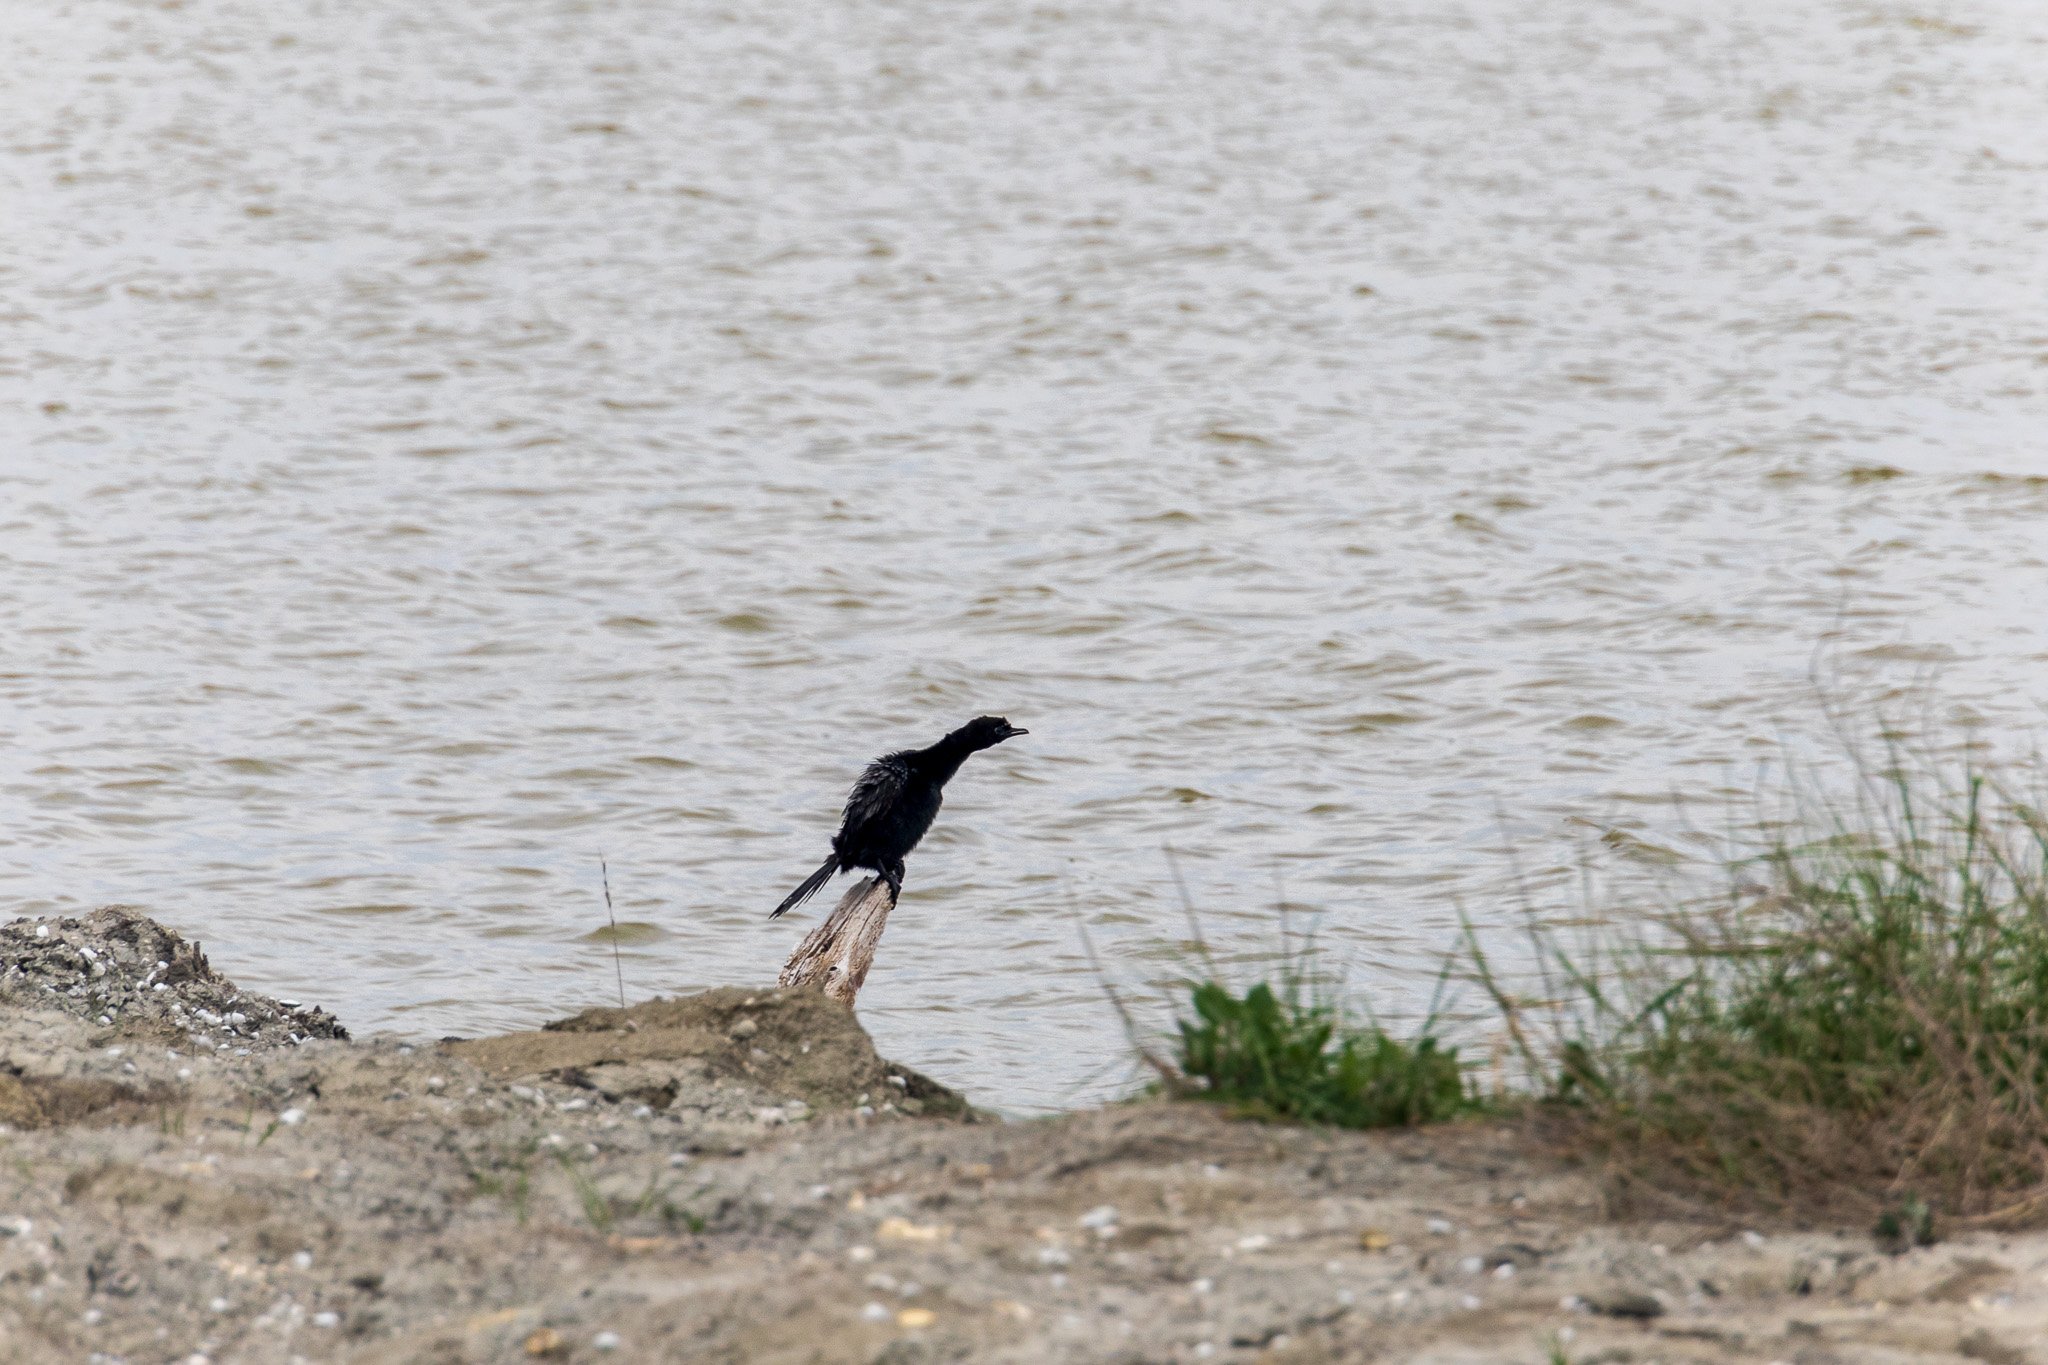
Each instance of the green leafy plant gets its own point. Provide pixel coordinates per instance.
(1279, 1056)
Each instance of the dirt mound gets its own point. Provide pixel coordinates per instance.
(124, 971)
(790, 1043)
(57, 1102)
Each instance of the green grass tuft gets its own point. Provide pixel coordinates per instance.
(1276, 1055)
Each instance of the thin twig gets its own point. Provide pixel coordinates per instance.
(617, 967)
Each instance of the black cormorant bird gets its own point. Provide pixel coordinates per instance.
(893, 804)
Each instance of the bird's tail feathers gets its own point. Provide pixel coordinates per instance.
(810, 886)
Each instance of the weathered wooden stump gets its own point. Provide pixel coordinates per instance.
(835, 956)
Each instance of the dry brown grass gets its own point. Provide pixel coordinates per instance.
(1870, 1034)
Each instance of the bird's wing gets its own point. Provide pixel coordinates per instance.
(876, 790)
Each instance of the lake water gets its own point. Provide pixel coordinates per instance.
(449, 442)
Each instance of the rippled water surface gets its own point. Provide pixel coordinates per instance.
(447, 442)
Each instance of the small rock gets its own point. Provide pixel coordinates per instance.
(545, 1342)
(327, 1319)
(875, 1312)
(903, 1230)
(916, 1317)
(745, 1029)
(605, 1341)
(1101, 1216)
(1625, 1303)
(1520, 1255)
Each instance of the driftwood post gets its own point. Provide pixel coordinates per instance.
(835, 956)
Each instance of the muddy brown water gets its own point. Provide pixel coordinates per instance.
(449, 443)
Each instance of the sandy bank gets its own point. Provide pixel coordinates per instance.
(738, 1177)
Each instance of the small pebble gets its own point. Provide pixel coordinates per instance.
(876, 1312)
(1101, 1216)
(327, 1319)
(1441, 1227)
(860, 1255)
(292, 1118)
(605, 1341)
(303, 1259)
(219, 1305)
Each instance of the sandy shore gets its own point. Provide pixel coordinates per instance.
(195, 1173)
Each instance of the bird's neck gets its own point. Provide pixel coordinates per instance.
(943, 759)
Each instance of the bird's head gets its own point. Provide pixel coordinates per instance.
(985, 732)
